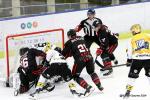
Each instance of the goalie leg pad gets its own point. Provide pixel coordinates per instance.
(16, 83)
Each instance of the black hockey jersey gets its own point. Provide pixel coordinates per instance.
(106, 38)
(28, 59)
(76, 47)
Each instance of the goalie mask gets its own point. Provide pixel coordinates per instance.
(135, 29)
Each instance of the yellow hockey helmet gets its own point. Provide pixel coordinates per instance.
(135, 29)
(47, 47)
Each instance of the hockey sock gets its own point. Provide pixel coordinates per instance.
(96, 80)
(107, 64)
(81, 82)
(41, 82)
(130, 84)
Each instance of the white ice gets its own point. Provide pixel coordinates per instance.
(113, 87)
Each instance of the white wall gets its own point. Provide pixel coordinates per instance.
(120, 18)
(117, 18)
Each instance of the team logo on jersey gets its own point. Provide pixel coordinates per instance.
(141, 44)
(103, 40)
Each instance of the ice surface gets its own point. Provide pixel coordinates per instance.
(113, 87)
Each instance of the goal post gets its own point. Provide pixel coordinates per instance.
(17, 41)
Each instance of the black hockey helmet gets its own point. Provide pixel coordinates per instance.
(91, 11)
(23, 50)
(71, 32)
(96, 23)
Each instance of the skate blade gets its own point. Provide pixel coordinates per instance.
(126, 97)
(88, 94)
(33, 98)
(108, 76)
(101, 91)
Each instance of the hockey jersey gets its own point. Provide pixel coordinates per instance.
(139, 47)
(106, 38)
(54, 56)
(88, 26)
(76, 47)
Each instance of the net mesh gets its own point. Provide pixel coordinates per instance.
(15, 42)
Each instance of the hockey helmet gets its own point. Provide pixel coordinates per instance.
(47, 47)
(71, 32)
(23, 50)
(91, 11)
(96, 23)
(54, 47)
(135, 29)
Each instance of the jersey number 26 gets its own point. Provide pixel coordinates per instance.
(24, 62)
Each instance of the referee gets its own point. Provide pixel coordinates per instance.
(89, 29)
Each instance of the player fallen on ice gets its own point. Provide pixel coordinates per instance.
(138, 56)
(108, 44)
(56, 67)
(29, 70)
(76, 47)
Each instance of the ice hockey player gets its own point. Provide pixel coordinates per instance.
(108, 44)
(56, 66)
(138, 55)
(88, 28)
(29, 71)
(76, 47)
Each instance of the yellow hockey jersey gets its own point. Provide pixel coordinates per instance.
(139, 46)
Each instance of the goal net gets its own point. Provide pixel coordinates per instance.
(15, 42)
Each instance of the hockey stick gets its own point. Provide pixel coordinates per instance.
(100, 65)
(38, 91)
(96, 61)
(119, 65)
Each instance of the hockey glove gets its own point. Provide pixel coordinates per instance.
(99, 51)
(46, 64)
(129, 62)
(58, 49)
(22, 70)
(116, 35)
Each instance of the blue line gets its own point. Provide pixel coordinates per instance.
(48, 13)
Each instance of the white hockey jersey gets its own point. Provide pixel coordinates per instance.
(54, 56)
